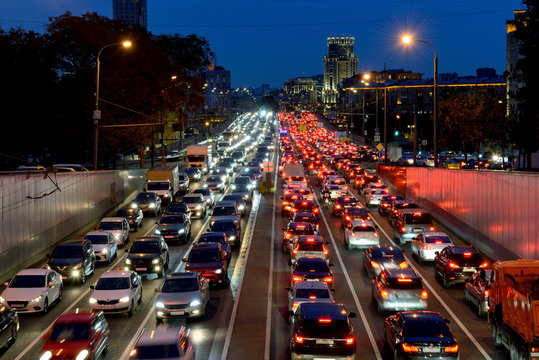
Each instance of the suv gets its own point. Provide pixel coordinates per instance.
(226, 210)
(196, 204)
(210, 260)
(321, 330)
(118, 226)
(133, 214)
(183, 182)
(149, 202)
(73, 260)
(411, 222)
(457, 264)
(148, 254)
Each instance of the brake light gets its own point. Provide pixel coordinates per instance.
(424, 294)
(438, 242)
(417, 214)
(285, 203)
(371, 197)
(312, 297)
(484, 265)
(385, 205)
(403, 229)
(453, 265)
(349, 340)
(375, 233)
(348, 218)
(409, 348)
(426, 247)
(295, 306)
(404, 280)
(346, 187)
(325, 250)
(315, 210)
(387, 191)
(328, 279)
(288, 235)
(467, 254)
(294, 210)
(299, 339)
(375, 265)
(295, 251)
(452, 349)
(311, 166)
(384, 294)
(297, 278)
(337, 206)
(300, 227)
(432, 228)
(324, 320)
(403, 265)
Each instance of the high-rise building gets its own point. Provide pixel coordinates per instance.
(514, 78)
(217, 88)
(131, 11)
(340, 63)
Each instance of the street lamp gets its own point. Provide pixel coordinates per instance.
(97, 113)
(407, 39)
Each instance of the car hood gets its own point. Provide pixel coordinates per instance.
(22, 294)
(110, 294)
(204, 266)
(70, 349)
(99, 247)
(178, 297)
(65, 261)
(170, 227)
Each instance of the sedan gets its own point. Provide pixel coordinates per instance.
(399, 290)
(230, 228)
(420, 335)
(104, 245)
(309, 291)
(456, 264)
(174, 228)
(309, 246)
(427, 244)
(378, 258)
(207, 195)
(33, 290)
(215, 183)
(360, 234)
(117, 291)
(193, 173)
(133, 214)
(311, 268)
(343, 202)
(476, 291)
(352, 213)
(240, 202)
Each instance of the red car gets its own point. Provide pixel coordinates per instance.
(77, 335)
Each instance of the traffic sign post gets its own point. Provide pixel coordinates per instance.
(380, 147)
(376, 137)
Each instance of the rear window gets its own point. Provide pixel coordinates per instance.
(357, 211)
(427, 327)
(404, 284)
(310, 246)
(364, 228)
(473, 259)
(159, 351)
(418, 218)
(312, 266)
(331, 329)
(312, 293)
(437, 240)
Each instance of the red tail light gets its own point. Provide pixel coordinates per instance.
(403, 229)
(296, 278)
(453, 265)
(452, 349)
(324, 320)
(295, 251)
(375, 265)
(337, 206)
(348, 218)
(384, 294)
(424, 294)
(349, 340)
(325, 251)
(404, 280)
(288, 235)
(432, 228)
(312, 297)
(467, 254)
(328, 279)
(426, 247)
(409, 348)
(375, 234)
(484, 265)
(299, 339)
(315, 210)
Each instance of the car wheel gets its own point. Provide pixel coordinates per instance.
(46, 306)
(83, 278)
(139, 301)
(158, 321)
(494, 333)
(135, 228)
(14, 334)
(131, 309)
(480, 311)
(93, 269)
(168, 263)
(59, 298)
(445, 281)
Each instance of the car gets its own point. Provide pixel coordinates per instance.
(307, 217)
(322, 331)
(217, 238)
(407, 159)
(207, 195)
(308, 246)
(380, 257)
(409, 223)
(230, 228)
(183, 184)
(196, 203)
(334, 191)
(293, 229)
(360, 234)
(133, 214)
(77, 335)
(310, 268)
(193, 173)
(342, 202)
(288, 201)
(456, 264)
(104, 245)
(476, 291)
(149, 202)
(148, 254)
(352, 213)
(216, 183)
(240, 202)
(427, 244)
(399, 290)
(243, 186)
(309, 291)
(116, 291)
(74, 260)
(74, 167)
(10, 326)
(419, 335)
(385, 203)
(305, 205)
(375, 196)
(374, 186)
(226, 210)
(183, 294)
(174, 228)
(210, 260)
(173, 343)
(178, 207)
(118, 226)
(253, 171)
(365, 181)
(33, 290)
(398, 205)
(425, 160)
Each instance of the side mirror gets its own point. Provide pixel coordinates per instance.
(6, 283)
(330, 264)
(157, 290)
(436, 253)
(126, 250)
(184, 260)
(208, 230)
(352, 315)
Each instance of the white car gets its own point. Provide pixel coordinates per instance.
(374, 186)
(374, 196)
(165, 342)
(33, 290)
(104, 245)
(427, 244)
(309, 291)
(118, 226)
(335, 191)
(360, 234)
(117, 291)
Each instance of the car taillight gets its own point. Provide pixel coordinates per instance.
(452, 349)
(375, 233)
(295, 251)
(294, 210)
(403, 229)
(288, 235)
(315, 210)
(375, 265)
(403, 265)
(348, 218)
(345, 187)
(371, 197)
(424, 294)
(337, 206)
(452, 265)
(432, 228)
(350, 340)
(484, 265)
(328, 279)
(426, 247)
(409, 348)
(295, 306)
(312, 297)
(385, 205)
(299, 339)
(485, 293)
(325, 251)
(285, 203)
(384, 294)
(297, 278)
(368, 217)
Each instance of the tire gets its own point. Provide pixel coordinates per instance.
(494, 333)
(161, 274)
(139, 301)
(168, 263)
(135, 228)
(480, 311)
(46, 306)
(158, 321)
(524, 353)
(14, 335)
(59, 298)
(83, 278)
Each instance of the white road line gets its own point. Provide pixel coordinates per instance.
(267, 342)
(356, 300)
(439, 298)
(125, 354)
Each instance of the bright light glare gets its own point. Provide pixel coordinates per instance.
(407, 39)
(197, 335)
(126, 43)
(366, 76)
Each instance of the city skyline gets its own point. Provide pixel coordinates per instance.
(271, 41)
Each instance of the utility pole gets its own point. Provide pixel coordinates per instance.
(415, 132)
(385, 125)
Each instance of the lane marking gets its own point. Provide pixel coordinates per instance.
(125, 354)
(356, 300)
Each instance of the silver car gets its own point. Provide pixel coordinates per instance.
(399, 290)
(182, 295)
(427, 244)
(374, 197)
(360, 234)
(306, 291)
(196, 204)
(309, 246)
(207, 195)
(226, 210)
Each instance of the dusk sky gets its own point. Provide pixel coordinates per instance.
(269, 41)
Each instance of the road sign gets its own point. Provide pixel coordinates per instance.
(380, 147)
(423, 142)
(268, 166)
(376, 137)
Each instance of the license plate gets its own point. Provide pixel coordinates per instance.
(417, 230)
(140, 269)
(176, 313)
(17, 306)
(468, 269)
(431, 349)
(169, 237)
(324, 342)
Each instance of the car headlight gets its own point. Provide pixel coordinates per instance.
(37, 299)
(204, 169)
(152, 205)
(241, 207)
(159, 305)
(181, 231)
(124, 299)
(205, 185)
(134, 206)
(194, 303)
(46, 355)
(198, 207)
(104, 251)
(128, 261)
(156, 261)
(76, 273)
(232, 238)
(157, 232)
(218, 271)
(2, 300)
(92, 300)
(82, 355)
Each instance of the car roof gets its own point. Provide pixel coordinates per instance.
(116, 274)
(73, 242)
(99, 232)
(434, 233)
(420, 316)
(411, 211)
(315, 310)
(311, 285)
(183, 275)
(82, 316)
(112, 219)
(161, 335)
(33, 272)
(148, 238)
(193, 195)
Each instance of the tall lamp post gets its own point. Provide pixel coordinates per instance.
(407, 39)
(97, 113)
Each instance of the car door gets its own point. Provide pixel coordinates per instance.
(4, 326)
(136, 289)
(417, 243)
(87, 257)
(125, 230)
(53, 288)
(98, 334)
(164, 252)
(440, 262)
(113, 245)
(473, 286)
(204, 288)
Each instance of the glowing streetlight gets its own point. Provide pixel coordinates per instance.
(366, 76)
(407, 39)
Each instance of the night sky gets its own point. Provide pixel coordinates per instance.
(272, 40)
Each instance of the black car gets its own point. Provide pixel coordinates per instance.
(193, 173)
(293, 229)
(386, 202)
(9, 326)
(148, 254)
(177, 208)
(133, 214)
(305, 205)
(174, 228)
(342, 202)
(380, 257)
(311, 269)
(240, 202)
(322, 330)
(396, 206)
(73, 260)
(420, 335)
(307, 217)
(456, 264)
(149, 202)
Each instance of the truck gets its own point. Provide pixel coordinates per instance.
(199, 156)
(164, 180)
(513, 312)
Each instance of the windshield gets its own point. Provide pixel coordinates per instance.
(180, 285)
(242, 180)
(154, 185)
(28, 281)
(176, 219)
(126, 212)
(144, 198)
(204, 192)
(437, 240)
(144, 247)
(224, 210)
(183, 177)
(98, 239)
(214, 178)
(357, 211)
(110, 225)
(312, 266)
(204, 256)
(312, 293)
(68, 251)
(112, 283)
(418, 218)
(196, 158)
(71, 331)
(191, 200)
(223, 226)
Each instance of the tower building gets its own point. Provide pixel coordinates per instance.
(340, 63)
(131, 11)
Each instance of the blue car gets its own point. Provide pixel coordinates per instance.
(230, 228)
